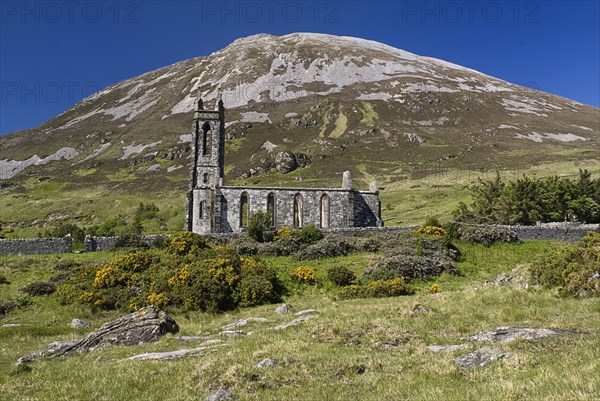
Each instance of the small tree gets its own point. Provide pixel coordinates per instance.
(259, 227)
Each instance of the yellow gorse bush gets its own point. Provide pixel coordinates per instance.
(304, 274)
(284, 233)
(158, 300)
(180, 278)
(122, 270)
(430, 231)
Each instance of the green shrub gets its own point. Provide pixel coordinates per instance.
(219, 280)
(368, 244)
(487, 235)
(310, 234)
(381, 273)
(452, 231)
(67, 266)
(351, 292)
(375, 289)
(432, 221)
(574, 270)
(340, 275)
(245, 246)
(282, 247)
(259, 227)
(411, 267)
(3, 279)
(330, 246)
(64, 229)
(387, 288)
(39, 288)
(7, 306)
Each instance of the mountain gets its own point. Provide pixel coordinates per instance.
(342, 103)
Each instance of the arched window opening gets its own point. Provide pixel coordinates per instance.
(297, 211)
(205, 178)
(202, 210)
(325, 211)
(206, 139)
(244, 210)
(271, 208)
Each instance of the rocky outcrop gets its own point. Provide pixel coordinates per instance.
(146, 325)
(80, 324)
(285, 162)
(171, 355)
(505, 334)
(481, 358)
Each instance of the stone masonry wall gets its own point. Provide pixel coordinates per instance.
(35, 246)
(562, 232)
(367, 209)
(341, 204)
(95, 244)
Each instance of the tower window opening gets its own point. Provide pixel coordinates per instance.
(297, 211)
(271, 208)
(244, 210)
(325, 211)
(206, 139)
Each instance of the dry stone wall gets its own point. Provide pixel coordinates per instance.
(35, 246)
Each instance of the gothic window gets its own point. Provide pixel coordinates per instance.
(244, 210)
(325, 211)
(271, 208)
(205, 178)
(297, 211)
(202, 211)
(206, 139)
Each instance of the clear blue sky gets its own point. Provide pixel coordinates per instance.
(54, 53)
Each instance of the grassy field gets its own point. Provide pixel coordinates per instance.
(367, 349)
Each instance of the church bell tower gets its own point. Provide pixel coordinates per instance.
(206, 170)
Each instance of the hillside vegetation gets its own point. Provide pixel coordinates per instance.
(529, 200)
(364, 348)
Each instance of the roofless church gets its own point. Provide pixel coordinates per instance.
(213, 207)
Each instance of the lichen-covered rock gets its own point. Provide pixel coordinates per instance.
(79, 324)
(481, 358)
(285, 162)
(283, 309)
(143, 326)
(505, 334)
(267, 363)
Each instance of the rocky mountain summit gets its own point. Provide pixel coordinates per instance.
(326, 96)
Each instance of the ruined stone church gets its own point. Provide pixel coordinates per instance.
(213, 207)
